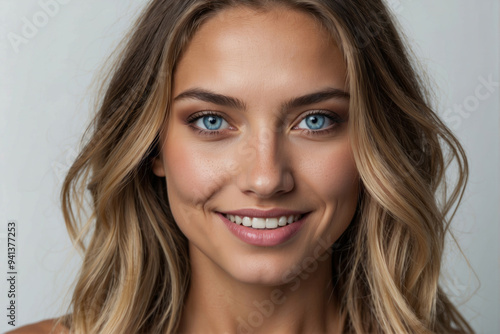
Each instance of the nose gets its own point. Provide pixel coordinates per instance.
(265, 166)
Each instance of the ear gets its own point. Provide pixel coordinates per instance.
(158, 168)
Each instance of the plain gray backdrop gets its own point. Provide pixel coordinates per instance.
(51, 51)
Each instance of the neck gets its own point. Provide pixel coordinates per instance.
(217, 303)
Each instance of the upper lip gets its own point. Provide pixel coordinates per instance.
(276, 212)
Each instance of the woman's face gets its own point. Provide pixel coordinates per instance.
(258, 135)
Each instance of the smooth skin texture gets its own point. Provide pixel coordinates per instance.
(276, 136)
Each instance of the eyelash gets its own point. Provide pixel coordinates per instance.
(209, 133)
(334, 118)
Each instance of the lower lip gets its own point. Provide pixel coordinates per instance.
(263, 237)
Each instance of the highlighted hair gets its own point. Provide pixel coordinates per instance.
(135, 272)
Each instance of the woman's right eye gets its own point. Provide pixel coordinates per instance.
(210, 122)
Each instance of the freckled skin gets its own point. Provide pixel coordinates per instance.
(262, 161)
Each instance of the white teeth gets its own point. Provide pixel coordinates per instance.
(238, 220)
(271, 222)
(246, 221)
(261, 223)
(258, 222)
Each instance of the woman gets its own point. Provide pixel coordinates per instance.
(263, 166)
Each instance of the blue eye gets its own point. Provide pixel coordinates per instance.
(211, 122)
(315, 122)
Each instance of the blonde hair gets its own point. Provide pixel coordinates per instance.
(135, 272)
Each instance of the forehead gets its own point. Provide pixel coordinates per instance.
(270, 24)
(242, 45)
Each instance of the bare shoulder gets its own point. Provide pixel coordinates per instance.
(42, 327)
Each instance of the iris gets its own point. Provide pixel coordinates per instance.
(212, 122)
(315, 122)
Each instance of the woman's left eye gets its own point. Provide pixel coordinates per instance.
(315, 122)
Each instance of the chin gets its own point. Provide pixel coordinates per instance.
(266, 270)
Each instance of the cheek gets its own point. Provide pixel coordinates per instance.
(334, 180)
(192, 174)
(332, 172)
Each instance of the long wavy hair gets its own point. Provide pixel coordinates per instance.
(135, 272)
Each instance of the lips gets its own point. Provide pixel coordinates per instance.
(263, 228)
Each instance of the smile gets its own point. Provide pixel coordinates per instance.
(264, 228)
(263, 223)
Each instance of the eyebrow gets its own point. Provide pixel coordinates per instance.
(211, 97)
(228, 101)
(324, 95)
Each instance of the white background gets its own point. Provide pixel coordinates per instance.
(45, 100)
